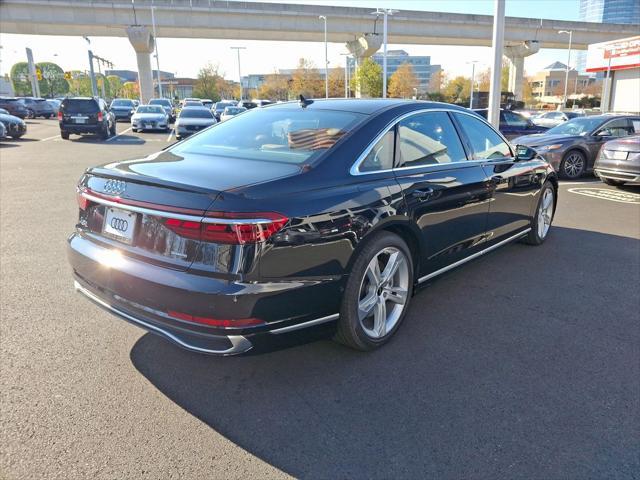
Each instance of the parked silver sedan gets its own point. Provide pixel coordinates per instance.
(555, 118)
(230, 112)
(619, 161)
(149, 117)
(192, 120)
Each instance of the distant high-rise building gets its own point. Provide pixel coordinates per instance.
(607, 11)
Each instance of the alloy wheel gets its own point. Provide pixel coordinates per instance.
(545, 213)
(383, 292)
(573, 165)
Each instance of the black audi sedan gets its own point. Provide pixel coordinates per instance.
(301, 214)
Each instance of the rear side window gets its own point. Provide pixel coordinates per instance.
(618, 128)
(427, 139)
(77, 105)
(380, 157)
(486, 143)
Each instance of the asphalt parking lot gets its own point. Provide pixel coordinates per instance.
(522, 364)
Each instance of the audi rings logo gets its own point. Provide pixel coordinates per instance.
(115, 187)
(119, 224)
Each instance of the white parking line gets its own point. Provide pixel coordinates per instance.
(170, 135)
(116, 136)
(588, 182)
(50, 138)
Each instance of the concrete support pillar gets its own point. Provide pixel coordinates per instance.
(516, 55)
(143, 43)
(516, 76)
(361, 48)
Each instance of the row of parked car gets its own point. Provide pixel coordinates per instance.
(30, 107)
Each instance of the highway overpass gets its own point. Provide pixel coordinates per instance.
(221, 19)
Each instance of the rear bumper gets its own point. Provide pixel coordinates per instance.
(618, 174)
(79, 128)
(144, 294)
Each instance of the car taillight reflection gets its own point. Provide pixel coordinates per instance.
(217, 322)
(59, 115)
(99, 116)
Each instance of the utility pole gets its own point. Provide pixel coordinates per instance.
(155, 43)
(35, 87)
(237, 49)
(326, 59)
(566, 76)
(495, 87)
(94, 87)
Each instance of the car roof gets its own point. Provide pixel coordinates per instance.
(366, 106)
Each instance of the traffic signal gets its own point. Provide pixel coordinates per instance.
(67, 75)
(38, 74)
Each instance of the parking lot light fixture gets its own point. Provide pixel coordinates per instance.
(326, 59)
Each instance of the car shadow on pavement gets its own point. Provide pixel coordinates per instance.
(521, 364)
(119, 140)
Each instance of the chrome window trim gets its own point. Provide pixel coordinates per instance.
(178, 216)
(355, 168)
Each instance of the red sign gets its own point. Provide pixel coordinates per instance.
(622, 49)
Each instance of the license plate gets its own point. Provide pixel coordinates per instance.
(119, 224)
(80, 120)
(617, 155)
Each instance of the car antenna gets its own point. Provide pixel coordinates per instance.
(304, 102)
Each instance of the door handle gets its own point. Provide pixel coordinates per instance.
(422, 194)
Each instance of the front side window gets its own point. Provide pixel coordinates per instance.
(428, 139)
(486, 143)
(515, 120)
(380, 157)
(618, 128)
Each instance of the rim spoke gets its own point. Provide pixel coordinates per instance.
(366, 305)
(392, 266)
(397, 294)
(380, 318)
(373, 272)
(548, 198)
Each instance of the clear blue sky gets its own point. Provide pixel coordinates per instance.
(70, 52)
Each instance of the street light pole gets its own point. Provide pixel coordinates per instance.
(155, 44)
(493, 115)
(385, 13)
(237, 49)
(473, 79)
(326, 59)
(94, 87)
(566, 76)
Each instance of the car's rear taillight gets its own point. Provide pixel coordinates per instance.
(59, 115)
(99, 116)
(83, 202)
(230, 228)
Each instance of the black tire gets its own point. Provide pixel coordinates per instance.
(534, 236)
(113, 129)
(104, 135)
(31, 113)
(613, 183)
(64, 135)
(573, 165)
(134, 130)
(16, 137)
(350, 331)
(48, 116)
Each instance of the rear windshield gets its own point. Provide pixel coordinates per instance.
(159, 101)
(80, 105)
(195, 113)
(274, 135)
(193, 103)
(222, 105)
(234, 110)
(150, 109)
(122, 103)
(12, 100)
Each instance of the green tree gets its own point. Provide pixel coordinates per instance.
(53, 82)
(368, 79)
(275, 87)
(457, 90)
(19, 75)
(114, 86)
(207, 84)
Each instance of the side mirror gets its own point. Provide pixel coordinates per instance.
(604, 133)
(524, 153)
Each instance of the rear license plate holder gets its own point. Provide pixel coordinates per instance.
(119, 224)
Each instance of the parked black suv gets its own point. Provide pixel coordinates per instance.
(15, 106)
(81, 115)
(37, 107)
